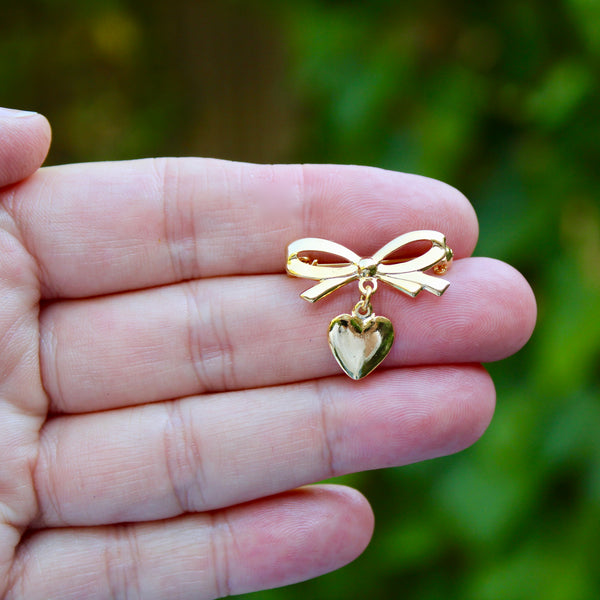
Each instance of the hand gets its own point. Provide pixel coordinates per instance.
(164, 390)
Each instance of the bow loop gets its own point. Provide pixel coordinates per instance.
(406, 276)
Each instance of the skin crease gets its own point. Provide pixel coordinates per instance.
(152, 442)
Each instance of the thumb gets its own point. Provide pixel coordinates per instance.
(24, 142)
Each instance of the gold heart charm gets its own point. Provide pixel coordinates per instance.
(359, 344)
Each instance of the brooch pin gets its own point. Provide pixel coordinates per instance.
(361, 340)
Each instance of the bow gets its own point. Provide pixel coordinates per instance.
(407, 276)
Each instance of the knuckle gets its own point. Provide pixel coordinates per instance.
(45, 479)
(210, 347)
(122, 563)
(221, 544)
(328, 443)
(179, 218)
(184, 459)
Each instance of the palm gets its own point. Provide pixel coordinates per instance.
(167, 390)
(23, 402)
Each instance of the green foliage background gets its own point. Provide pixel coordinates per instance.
(499, 99)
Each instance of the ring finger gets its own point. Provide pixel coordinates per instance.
(202, 453)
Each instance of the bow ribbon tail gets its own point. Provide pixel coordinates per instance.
(326, 286)
(413, 282)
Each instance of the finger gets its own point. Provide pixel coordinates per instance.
(268, 543)
(24, 143)
(206, 336)
(103, 228)
(202, 453)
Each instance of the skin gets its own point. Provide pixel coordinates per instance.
(165, 393)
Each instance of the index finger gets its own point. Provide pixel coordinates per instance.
(109, 227)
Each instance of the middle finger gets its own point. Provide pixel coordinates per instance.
(229, 333)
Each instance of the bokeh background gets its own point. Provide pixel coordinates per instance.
(499, 99)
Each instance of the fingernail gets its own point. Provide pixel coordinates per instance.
(11, 113)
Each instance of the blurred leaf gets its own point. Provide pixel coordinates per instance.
(586, 16)
(561, 92)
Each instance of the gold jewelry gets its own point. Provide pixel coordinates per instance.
(361, 340)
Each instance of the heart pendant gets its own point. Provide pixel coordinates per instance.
(359, 344)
